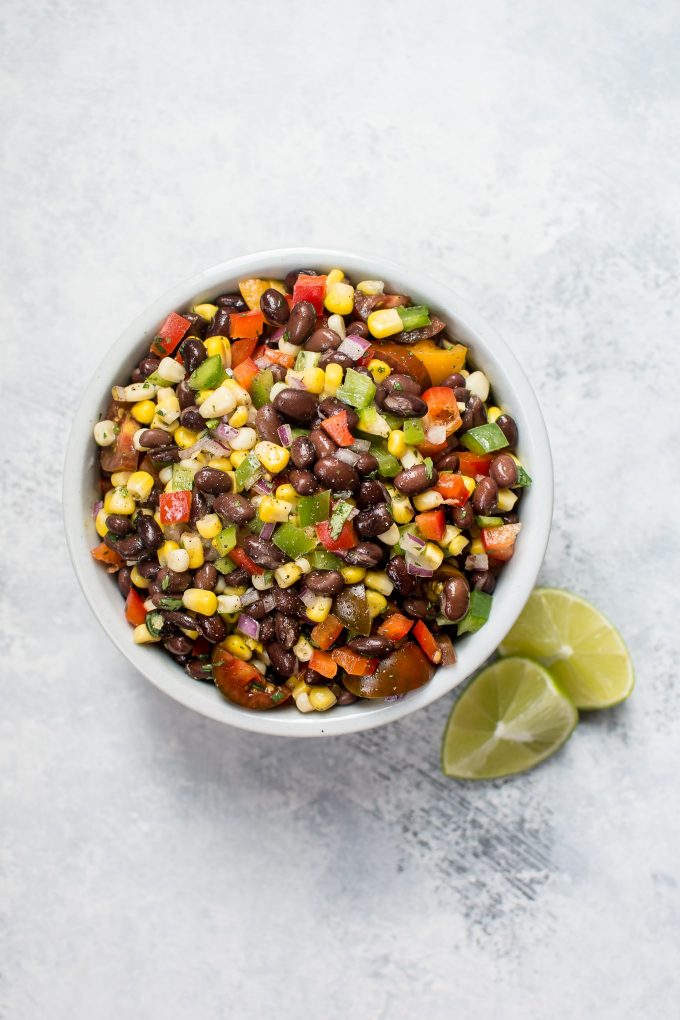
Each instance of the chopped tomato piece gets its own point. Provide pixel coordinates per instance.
(175, 507)
(473, 464)
(245, 325)
(337, 428)
(351, 662)
(427, 642)
(500, 542)
(312, 289)
(241, 350)
(241, 683)
(103, 554)
(323, 663)
(241, 559)
(453, 487)
(432, 524)
(442, 408)
(121, 456)
(400, 358)
(326, 633)
(428, 449)
(347, 538)
(169, 334)
(395, 627)
(245, 373)
(135, 613)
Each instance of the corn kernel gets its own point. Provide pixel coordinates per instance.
(185, 437)
(391, 536)
(178, 560)
(477, 547)
(333, 379)
(337, 324)
(335, 276)
(209, 526)
(314, 379)
(377, 580)
(287, 575)
(100, 523)
(194, 547)
(164, 550)
(379, 370)
(286, 492)
(237, 457)
(402, 511)
(200, 601)
(239, 417)
(478, 384)
(428, 500)
(138, 580)
(137, 391)
(141, 636)
(105, 432)
(321, 698)
(139, 485)
(237, 646)
(493, 414)
(302, 702)
(220, 402)
(221, 463)
(302, 649)
(120, 478)
(228, 604)
(242, 396)
(119, 501)
(171, 371)
(469, 483)
(432, 556)
(274, 511)
(272, 457)
(303, 563)
(143, 411)
(203, 395)
(319, 609)
(396, 444)
(385, 322)
(506, 500)
(376, 603)
(206, 311)
(352, 575)
(371, 287)
(253, 644)
(457, 546)
(340, 298)
(215, 345)
(450, 532)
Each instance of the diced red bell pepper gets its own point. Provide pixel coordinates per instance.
(242, 349)
(338, 429)
(245, 373)
(500, 542)
(280, 358)
(432, 524)
(442, 408)
(169, 334)
(241, 559)
(175, 507)
(473, 464)
(323, 663)
(347, 538)
(312, 289)
(326, 633)
(135, 613)
(427, 642)
(396, 626)
(103, 554)
(351, 662)
(453, 487)
(245, 325)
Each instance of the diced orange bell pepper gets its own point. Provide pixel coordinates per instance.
(245, 325)
(103, 554)
(427, 642)
(323, 663)
(312, 289)
(347, 538)
(432, 524)
(500, 542)
(135, 613)
(338, 429)
(175, 507)
(453, 487)
(242, 349)
(280, 357)
(439, 362)
(242, 559)
(169, 334)
(325, 634)
(396, 626)
(473, 464)
(356, 665)
(245, 373)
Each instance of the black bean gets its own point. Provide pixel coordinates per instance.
(185, 395)
(191, 418)
(416, 479)
(336, 475)
(301, 322)
(119, 524)
(485, 497)
(178, 644)
(274, 307)
(508, 427)
(325, 582)
(193, 353)
(371, 493)
(219, 324)
(335, 358)
(278, 372)
(291, 277)
(199, 670)
(405, 405)
(399, 384)
(302, 452)
(373, 522)
(149, 532)
(180, 618)
(151, 439)
(213, 628)
(258, 610)
(152, 500)
(300, 405)
(454, 381)
(448, 462)
(463, 516)
(131, 547)
(124, 582)
(267, 629)
(303, 482)
(205, 577)
(461, 394)
(331, 406)
(374, 645)
(148, 365)
(366, 464)
(197, 327)
(267, 424)
(239, 578)
(288, 602)
(166, 454)
(213, 480)
(264, 553)
(398, 574)
(345, 697)
(283, 661)
(358, 328)
(323, 339)
(287, 630)
(455, 598)
(416, 608)
(322, 443)
(148, 568)
(474, 414)
(365, 554)
(510, 518)
(503, 470)
(233, 301)
(171, 582)
(234, 508)
(483, 580)
(200, 506)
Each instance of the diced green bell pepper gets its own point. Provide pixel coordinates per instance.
(523, 479)
(373, 423)
(157, 380)
(489, 522)
(414, 317)
(260, 389)
(248, 471)
(357, 389)
(484, 438)
(305, 360)
(322, 559)
(414, 432)
(182, 479)
(226, 540)
(477, 614)
(294, 541)
(388, 465)
(209, 374)
(313, 509)
(224, 565)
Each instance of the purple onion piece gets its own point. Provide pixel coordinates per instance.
(285, 434)
(267, 531)
(248, 626)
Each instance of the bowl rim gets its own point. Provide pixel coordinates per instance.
(478, 647)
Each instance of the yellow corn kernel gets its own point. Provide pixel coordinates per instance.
(339, 298)
(200, 601)
(376, 603)
(100, 523)
(157, 518)
(456, 547)
(287, 575)
(352, 575)
(120, 478)
(335, 276)
(141, 636)
(477, 547)
(402, 511)
(140, 484)
(314, 379)
(450, 532)
(255, 646)
(119, 501)
(185, 437)
(319, 609)
(321, 698)
(193, 545)
(506, 500)
(493, 414)
(214, 345)
(203, 395)
(379, 370)
(137, 579)
(371, 286)
(333, 379)
(166, 548)
(396, 444)
(287, 493)
(300, 687)
(209, 526)
(377, 580)
(237, 457)
(273, 510)
(385, 322)
(206, 311)
(239, 417)
(237, 646)
(221, 463)
(143, 411)
(272, 457)
(428, 500)
(432, 556)
(469, 483)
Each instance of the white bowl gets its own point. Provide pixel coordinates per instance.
(512, 390)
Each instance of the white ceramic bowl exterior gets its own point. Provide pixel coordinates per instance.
(488, 352)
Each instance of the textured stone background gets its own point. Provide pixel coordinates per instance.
(155, 864)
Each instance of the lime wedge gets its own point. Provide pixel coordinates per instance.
(582, 650)
(511, 717)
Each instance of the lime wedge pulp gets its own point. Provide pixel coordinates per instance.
(580, 647)
(511, 717)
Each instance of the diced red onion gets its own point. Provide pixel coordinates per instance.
(268, 602)
(478, 561)
(226, 432)
(267, 531)
(308, 597)
(249, 597)
(361, 445)
(277, 334)
(354, 347)
(294, 382)
(205, 443)
(262, 363)
(436, 434)
(345, 455)
(248, 626)
(411, 543)
(263, 488)
(96, 507)
(417, 570)
(285, 434)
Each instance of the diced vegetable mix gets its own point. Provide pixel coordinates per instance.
(306, 493)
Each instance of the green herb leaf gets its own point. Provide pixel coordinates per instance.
(170, 603)
(429, 468)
